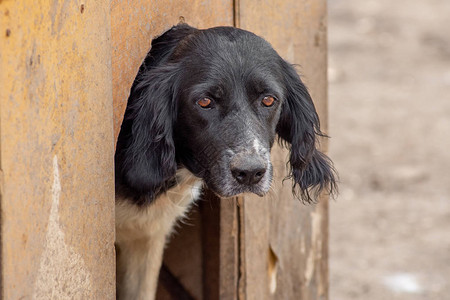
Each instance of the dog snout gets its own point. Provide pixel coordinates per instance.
(248, 170)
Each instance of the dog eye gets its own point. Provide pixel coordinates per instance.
(268, 101)
(204, 103)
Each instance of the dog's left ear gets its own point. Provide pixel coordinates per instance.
(299, 126)
(145, 154)
(145, 163)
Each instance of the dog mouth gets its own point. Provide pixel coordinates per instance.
(237, 190)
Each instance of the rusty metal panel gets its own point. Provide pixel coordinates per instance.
(284, 243)
(135, 23)
(57, 147)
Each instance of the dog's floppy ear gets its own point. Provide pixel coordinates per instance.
(299, 126)
(145, 155)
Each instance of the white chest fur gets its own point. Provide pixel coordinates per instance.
(141, 234)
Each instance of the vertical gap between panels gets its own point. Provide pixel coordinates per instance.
(241, 280)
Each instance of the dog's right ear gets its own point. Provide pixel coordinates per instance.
(299, 126)
(145, 154)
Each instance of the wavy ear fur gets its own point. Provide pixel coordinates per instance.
(299, 126)
(145, 155)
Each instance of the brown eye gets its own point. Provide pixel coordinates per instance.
(268, 101)
(204, 103)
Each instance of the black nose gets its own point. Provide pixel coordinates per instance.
(248, 170)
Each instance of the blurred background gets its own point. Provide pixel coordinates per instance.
(389, 97)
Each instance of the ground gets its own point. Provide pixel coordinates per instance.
(389, 71)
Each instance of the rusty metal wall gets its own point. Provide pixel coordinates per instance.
(57, 147)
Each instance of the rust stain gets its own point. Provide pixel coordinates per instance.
(24, 239)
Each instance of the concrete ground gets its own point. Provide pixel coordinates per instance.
(389, 71)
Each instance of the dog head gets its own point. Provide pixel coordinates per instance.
(212, 101)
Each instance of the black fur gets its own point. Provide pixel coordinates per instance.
(299, 126)
(164, 129)
(145, 154)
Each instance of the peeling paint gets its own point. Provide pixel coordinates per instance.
(316, 245)
(62, 273)
(272, 270)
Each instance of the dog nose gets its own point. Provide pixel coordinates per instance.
(248, 170)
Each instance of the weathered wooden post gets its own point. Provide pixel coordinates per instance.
(284, 244)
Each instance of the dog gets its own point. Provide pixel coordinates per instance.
(204, 110)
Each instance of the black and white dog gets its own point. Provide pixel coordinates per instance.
(204, 109)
